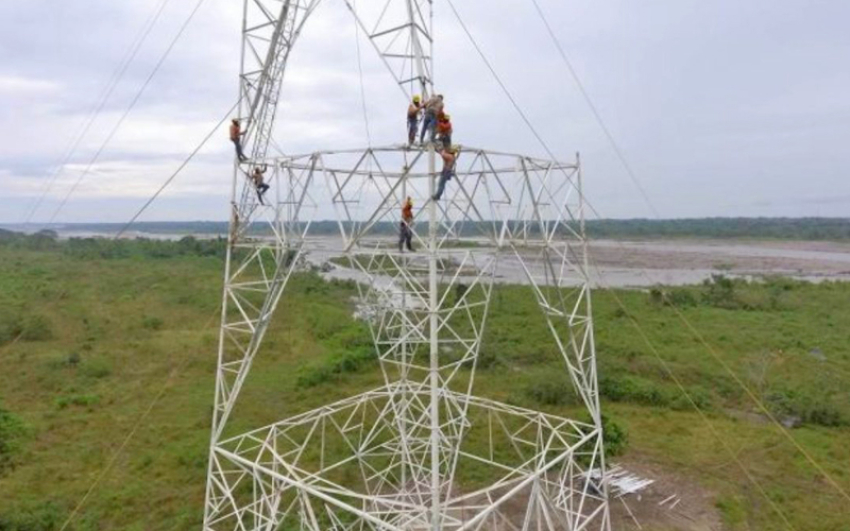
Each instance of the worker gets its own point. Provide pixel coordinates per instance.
(413, 118)
(449, 156)
(236, 137)
(405, 228)
(259, 183)
(433, 107)
(444, 129)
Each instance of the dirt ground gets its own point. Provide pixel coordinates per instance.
(692, 508)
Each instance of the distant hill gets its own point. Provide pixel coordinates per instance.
(837, 229)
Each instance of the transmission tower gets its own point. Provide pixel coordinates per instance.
(421, 452)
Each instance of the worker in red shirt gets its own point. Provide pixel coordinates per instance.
(444, 129)
(405, 228)
(236, 137)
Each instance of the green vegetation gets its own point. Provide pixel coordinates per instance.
(118, 321)
(837, 229)
(11, 432)
(723, 228)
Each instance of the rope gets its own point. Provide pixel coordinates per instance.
(104, 96)
(129, 108)
(176, 172)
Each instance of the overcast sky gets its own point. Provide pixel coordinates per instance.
(722, 108)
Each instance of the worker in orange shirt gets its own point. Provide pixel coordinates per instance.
(405, 228)
(444, 129)
(236, 137)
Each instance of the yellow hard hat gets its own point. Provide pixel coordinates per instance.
(447, 116)
(416, 98)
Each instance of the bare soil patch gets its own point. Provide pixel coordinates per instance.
(692, 507)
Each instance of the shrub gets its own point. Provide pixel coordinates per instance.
(720, 292)
(551, 389)
(37, 328)
(628, 389)
(33, 327)
(700, 397)
(96, 369)
(352, 361)
(460, 291)
(88, 400)
(11, 432)
(487, 358)
(616, 437)
(152, 323)
(811, 410)
(824, 415)
(656, 296)
(679, 297)
(43, 517)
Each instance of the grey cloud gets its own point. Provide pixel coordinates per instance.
(709, 100)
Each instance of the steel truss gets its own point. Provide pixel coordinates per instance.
(421, 452)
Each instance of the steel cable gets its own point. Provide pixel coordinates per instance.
(694, 404)
(524, 117)
(176, 172)
(103, 98)
(614, 145)
(679, 314)
(129, 108)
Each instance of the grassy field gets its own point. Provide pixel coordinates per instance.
(105, 329)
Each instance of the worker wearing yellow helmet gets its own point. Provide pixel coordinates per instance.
(413, 118)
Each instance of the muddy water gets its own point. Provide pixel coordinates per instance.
(641, 264)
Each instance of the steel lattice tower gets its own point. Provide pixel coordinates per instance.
(399, 457)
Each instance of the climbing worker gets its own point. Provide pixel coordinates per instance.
(444, 129)
(405, 228)
(236, 137)
(433, 107)
(261, 186)
(413, 118)
(449, 156)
